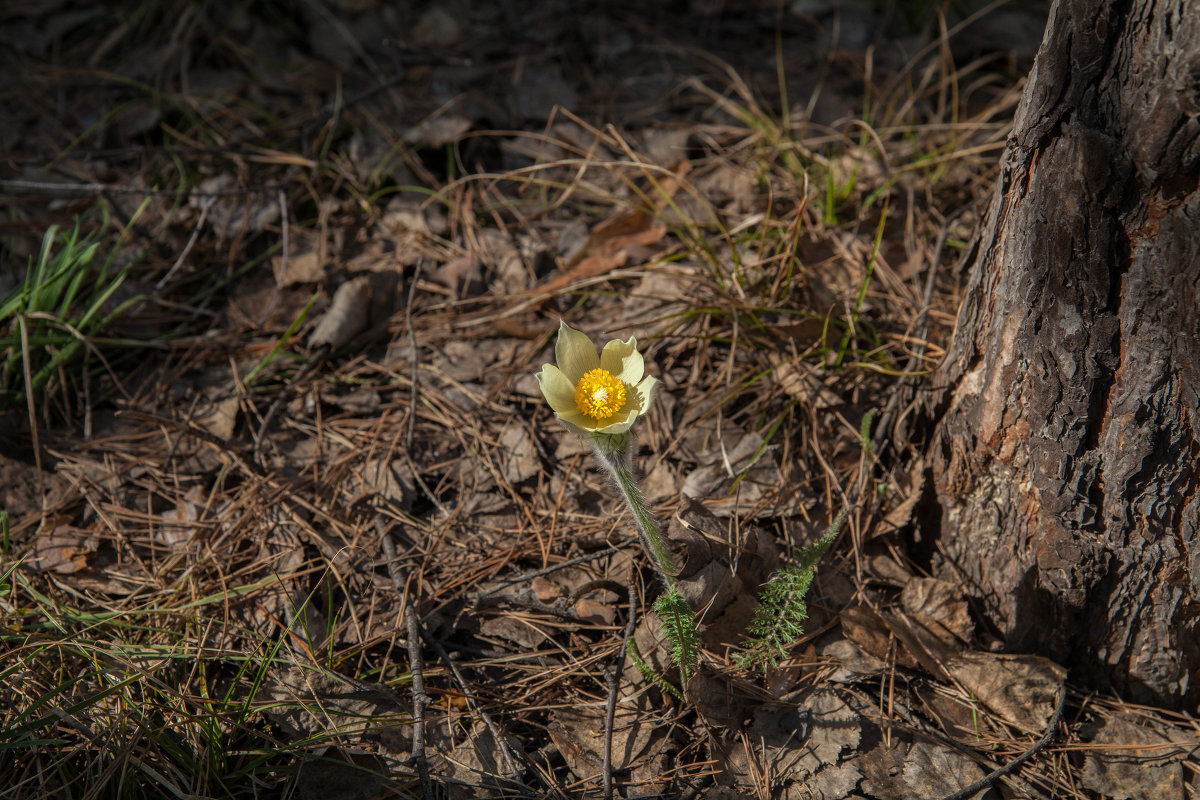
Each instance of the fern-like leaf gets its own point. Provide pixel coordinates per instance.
(681, 631)
(779, 619)
(649, 673)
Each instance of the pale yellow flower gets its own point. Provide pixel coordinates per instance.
(602, 393)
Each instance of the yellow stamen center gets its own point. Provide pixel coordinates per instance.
(599, 394)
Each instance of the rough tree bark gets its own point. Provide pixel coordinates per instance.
(1066, 456)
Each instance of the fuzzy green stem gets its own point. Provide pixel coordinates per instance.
(615, 454)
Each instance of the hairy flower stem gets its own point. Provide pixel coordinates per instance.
(615, 454)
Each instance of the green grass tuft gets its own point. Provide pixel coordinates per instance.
(48, 324)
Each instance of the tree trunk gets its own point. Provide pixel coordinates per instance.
(1066, 456)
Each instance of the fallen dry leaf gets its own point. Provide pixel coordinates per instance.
(1136, 767)
(911, 483)
(1022, 689)
(940, 606)
(65, 549)
(831, 783)
(612, 243)
(305, 262)
(801, 382)
(518, 457)
(866, 629)
(579, 734)
(346, 316)
(219, 418)
(616, 241)
(477, 765)
(358, 304)
(925, 770)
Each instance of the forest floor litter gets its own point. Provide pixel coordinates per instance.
(304, 465)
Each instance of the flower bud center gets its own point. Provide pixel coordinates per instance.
(599, 394)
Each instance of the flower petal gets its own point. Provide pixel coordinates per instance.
(559, 392)
(643, 393)
(575, 353)
(621, 421)
(578, 419)
(623, 360)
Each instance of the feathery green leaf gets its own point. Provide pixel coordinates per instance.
(779, 619)
(649, 673)
(680, 624)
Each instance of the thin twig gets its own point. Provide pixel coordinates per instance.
(187, 248)
(412, 343)
(1012, 766)
(614, 685)
(415, 664)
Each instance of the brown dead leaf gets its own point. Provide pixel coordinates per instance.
(219, 418)
(832, 726)
(1022, 689)
(720, 567)
(887, 569)
(865, 628)
(304, 702)
(65, 550)
(518, 457)
(940, 606)
(524, 636)
(612, 244)
(178, 524)
(346, 316)
(20, 489)
(661, 483)
(509, 271)
(801, 382)
(358, 304)
(732, 454)
(852, 664)
(831, 783)
(546, 590)
(926, 770)
(435, 28)
(956, 717)
(931, 770)
(593, 612)
(229, 208)
(912, 482)
(390, 480)
(579, 734)
(439, 131)
(478, 763)
(305, 262)
(616, 241)
(930, 651)
(808, 739)
(1137, 766)
(360, 402)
